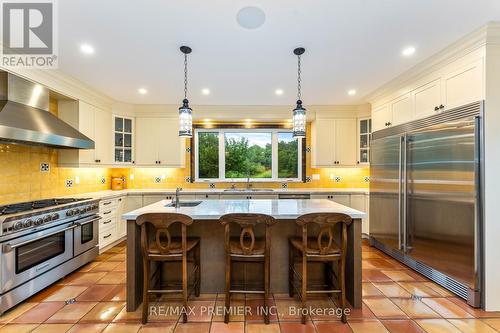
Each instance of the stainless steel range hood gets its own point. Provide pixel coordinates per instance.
(25, 117)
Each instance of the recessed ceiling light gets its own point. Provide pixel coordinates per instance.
(251, 17)
(87, 49)
(278, 92)
(142, 91)
(351, 92)
(408, 51)
(205, 91)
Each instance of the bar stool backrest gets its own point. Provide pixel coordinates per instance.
(247, 223)
(326, 223)
(158, 224)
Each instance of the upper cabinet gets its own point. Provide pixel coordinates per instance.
(364, 137)
(93, 122)
(123, 140)
(334, 142)
(458, 83)
(158, 143)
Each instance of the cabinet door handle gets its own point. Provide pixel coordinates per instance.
(107, 236)
(436, 108)
(441, 106)
(106, 222)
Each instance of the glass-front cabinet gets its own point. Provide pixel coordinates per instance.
(365, 136)
(123, 138)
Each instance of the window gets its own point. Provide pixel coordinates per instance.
(365, 136)
(123, 139)
(241, 154)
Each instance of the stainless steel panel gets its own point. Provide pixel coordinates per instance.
(441, 203)
(79, 248)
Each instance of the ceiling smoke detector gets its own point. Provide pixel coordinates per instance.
(251, 17)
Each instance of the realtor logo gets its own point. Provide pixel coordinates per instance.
(28, 34)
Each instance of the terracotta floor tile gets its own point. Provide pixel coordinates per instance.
(381, 264)
(329, 310)
(440, 290)
(292, 327)
(96, 293)
(125, 316)
(446, 308)
(419, 289)
(392, 289)
(369, 290)
(42, 295)
(39, 313)
(113, 278)
(87, 328)
(84, 279)
(202, 311)
(495, 323)
(374, 276)
(103, 312)
(192, 328)
(71, 313)
(16, 312)
(234, 315)
(262, 328)
(121, 267)
(122, 328)
(105, 266)
(415, 308)
(332, 326)
(372, 255)
(283, 308)
(399, 275)
(472, 326)
(157, 328)
(118, 257)
(384, 308)
(256, 310)
(17, 328)
(400, 326)
(478, 313)
(103, 256)
(117, 293)
(65, 293)
(367, 326)
(164, 311)
(52, 328)
(437, 326)
(231, 327)
(88, 266)
(363, 313)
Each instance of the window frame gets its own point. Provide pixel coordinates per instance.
(222, 146)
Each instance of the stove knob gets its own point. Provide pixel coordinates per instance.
(46, 218)
(76, 211)
(18, 225)
(54, 217)
(69, 212)
(27, 223)
(38, 221)
(95, 206)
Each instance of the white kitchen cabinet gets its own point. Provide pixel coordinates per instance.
(93, 122)
(427, 99)
(132, 202)
(207, 196)
(247, 196)
(152, 198)
(464, 85)
(402, 109)
(158, 143)
(334, 142)
(121, 223)
(359, 202)
(381, 117)
(343, 199)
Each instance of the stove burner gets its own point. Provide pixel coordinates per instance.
(31, 205)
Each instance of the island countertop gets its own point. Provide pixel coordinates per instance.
(279, 209)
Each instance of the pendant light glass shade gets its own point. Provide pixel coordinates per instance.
(299, 121)
(185, 112)
(185, 120)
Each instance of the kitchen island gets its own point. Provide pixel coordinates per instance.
(206, 226)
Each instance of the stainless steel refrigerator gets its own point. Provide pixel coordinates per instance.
(425, 197)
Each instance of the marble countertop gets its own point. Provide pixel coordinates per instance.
(279, 209)
(110, 194)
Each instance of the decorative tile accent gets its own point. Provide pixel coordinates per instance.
(284, 185)
(212, 185)
(103, 180)
(366, 179)
(308, 149)
(157, 180)
(188, 149)
(44, 167)
(337, 179)
(188, 179)
(69, 182)
(308, 179)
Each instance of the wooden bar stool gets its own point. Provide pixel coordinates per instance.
(321, 248)
(247, 248)
(159, 247)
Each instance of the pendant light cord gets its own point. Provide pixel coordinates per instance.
(299, 93)
(185, 75)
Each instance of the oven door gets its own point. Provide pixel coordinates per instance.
(86, 234)
(27, 257)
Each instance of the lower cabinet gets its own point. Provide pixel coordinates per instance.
(360, 202)
(111, 227)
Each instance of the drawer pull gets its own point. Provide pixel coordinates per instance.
(107, 236)
(106, 213)
(106, 203)
(108, 221)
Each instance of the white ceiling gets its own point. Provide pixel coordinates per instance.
(349, 44)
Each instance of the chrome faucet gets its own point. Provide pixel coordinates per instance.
(249, 186)
(177, 192)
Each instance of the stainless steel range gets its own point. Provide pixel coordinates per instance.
(43, 241)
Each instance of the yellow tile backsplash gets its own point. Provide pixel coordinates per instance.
(22, 180)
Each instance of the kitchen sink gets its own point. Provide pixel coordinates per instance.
(248, 190)
(185, 204)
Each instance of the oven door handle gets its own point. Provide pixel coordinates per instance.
(9, 247)
(79, 224)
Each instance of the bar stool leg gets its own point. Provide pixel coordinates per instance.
(267, 269)
(304, 287)
(184, 288)
(145, 288)
(291, 277)
(342, 288)
(228, 288)
(198, 270)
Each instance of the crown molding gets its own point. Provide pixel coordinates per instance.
(489, 33)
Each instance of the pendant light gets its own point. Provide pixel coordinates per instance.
(185, 112)
(299, 113)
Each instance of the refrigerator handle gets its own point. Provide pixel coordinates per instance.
(405, 201)
(401, 139)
